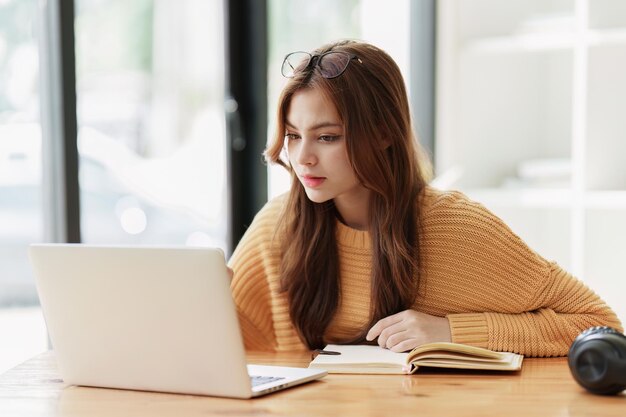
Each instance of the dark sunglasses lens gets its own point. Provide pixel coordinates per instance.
(294, 63)
(333, 64)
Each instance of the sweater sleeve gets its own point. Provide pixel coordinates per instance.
(250, 285)
(514, 300)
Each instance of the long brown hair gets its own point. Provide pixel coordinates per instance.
(371, 100)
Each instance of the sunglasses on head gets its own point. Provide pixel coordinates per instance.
(330, 64)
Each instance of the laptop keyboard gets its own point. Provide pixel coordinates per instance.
(259, 380)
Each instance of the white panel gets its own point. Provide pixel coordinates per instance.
(605, 257)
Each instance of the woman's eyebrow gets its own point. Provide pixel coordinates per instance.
(317, 126)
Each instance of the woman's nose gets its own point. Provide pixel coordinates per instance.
(305, 153)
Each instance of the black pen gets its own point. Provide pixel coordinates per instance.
(327, 352)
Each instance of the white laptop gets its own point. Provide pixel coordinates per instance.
(149, 318)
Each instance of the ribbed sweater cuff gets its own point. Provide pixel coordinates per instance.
(469, 329)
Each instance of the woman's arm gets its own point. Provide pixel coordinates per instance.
(493, 289)
(560, 309)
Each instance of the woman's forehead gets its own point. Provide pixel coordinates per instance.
(311, 109)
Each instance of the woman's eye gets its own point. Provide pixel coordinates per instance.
(328, 138)
(291, 136)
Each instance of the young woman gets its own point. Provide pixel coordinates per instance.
(363, 249)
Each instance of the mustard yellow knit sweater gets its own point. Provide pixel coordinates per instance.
(495, 291)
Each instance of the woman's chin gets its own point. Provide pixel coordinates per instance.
(316, 196)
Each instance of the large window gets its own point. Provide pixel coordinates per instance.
(151, 125)
(151, 137)
(20, 148)
(21, 214)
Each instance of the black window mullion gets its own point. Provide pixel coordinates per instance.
(59, 124)
(246, 111)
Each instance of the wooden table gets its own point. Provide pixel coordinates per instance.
(543, 388)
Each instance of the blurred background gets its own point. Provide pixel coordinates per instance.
(519, 104)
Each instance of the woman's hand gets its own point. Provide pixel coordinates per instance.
(408, 329)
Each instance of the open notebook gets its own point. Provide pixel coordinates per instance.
(364, 359)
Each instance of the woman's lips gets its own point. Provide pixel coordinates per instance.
(312, 182)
